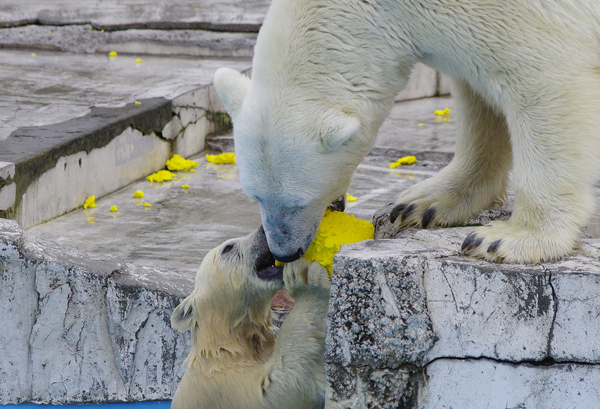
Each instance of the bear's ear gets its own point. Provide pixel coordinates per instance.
(232, 88)
(183, 315)
(339, 130)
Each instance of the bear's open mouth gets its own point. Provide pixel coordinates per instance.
(266, 268)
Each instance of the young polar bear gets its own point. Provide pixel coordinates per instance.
(527, 88)
(235, 361)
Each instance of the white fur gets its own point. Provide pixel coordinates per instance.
(527, 87)
(235, 362)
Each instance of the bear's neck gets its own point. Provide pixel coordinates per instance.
(219, 348)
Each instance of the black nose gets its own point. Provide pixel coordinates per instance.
(288, 259)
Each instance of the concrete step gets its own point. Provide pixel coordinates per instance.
(111, 15)
(73, 127)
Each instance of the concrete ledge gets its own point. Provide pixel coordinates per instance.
(78, 328)
(411, 324)
(56, 167)
(85, 39)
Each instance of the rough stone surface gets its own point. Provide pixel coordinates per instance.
(77, 330)
(484, 383)
(412, 324)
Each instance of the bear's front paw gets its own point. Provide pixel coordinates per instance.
(302, 275)
(504, 242)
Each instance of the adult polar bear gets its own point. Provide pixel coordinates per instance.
(527, 88)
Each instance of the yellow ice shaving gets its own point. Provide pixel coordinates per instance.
(112, 54)
(442, 112)
(146, 204)
(222, 158)
(137, 103)
(138, 60)
(186, 186)
(179, 163)
(350, 198)
(138, 193)
(406, 160)
(160, 176)
(337, 229)
(114, 209)
(90, 202)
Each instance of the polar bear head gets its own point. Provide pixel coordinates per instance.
(295, 156)
(229, 309)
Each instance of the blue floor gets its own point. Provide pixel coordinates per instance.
(135, 405)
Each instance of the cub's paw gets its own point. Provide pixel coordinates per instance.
(302, 275)
(504, 242)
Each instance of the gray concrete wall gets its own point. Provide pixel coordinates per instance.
(413, 325)
(77, 328)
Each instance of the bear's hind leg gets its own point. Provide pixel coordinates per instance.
(555, 146)
(476, 177)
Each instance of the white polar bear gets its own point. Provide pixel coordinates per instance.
(235, 362)
(527, 87)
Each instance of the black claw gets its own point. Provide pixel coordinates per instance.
(494, 246)
(338, 205)
(477, 242)
(467, 243)
(396, 212)
(408, 211)
(428, 217)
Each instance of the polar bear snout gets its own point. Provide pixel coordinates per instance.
(290, 233)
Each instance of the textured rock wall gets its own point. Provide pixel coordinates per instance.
(80, 329)
(413, 325)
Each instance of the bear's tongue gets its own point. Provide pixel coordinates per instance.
(270, 272)
(266, 267)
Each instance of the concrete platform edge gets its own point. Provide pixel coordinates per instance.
(77, 157)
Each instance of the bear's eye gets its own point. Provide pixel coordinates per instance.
(227, 249)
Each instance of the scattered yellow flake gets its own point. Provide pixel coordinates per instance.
(193, 170)
(186, 186)
(179, 163)
(442, 112)
(90, 202)
(114, 209)
(222, 158)
(146, 204)
(102, 31)
(138, 60)
(196, 9)
(350, 198)
(112, 54)
(137, 103)
(49, 31)
(337, 229)
(421, 125)
(33, 54)
(160, 176)
(138, 193)
(406, 160)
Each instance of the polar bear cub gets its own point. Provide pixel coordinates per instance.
(235, 361)
(527, 89)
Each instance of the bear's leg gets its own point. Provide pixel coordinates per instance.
(555, 152)
(294, 376)
(476, 177)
